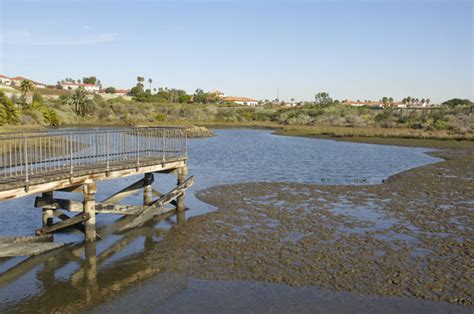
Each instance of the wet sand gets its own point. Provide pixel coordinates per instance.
(411, 236)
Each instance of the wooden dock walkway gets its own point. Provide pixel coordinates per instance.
(73, 160)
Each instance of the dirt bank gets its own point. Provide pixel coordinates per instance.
(411, 236)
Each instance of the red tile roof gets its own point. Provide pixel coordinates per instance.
(244, 99)
(3, 76)
(18, 78)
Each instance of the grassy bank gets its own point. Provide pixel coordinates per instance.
(400, 137)
(335, 120)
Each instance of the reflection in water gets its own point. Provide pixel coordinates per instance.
(82, 275)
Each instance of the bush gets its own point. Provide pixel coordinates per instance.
(160, 117)
(9, 114)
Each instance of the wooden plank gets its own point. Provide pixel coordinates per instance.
(63, 224)
(64, 180)
(72, 189)
(136, 221)
(117, 209)
(159, 194)
(129, 190)
(26, 239)
(58, 203)
(172, 195)
(27, 249)
(157, 207)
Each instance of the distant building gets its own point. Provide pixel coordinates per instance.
(241, 100)
(5, 80)
(90, 88)
(16, 81)
(121, 92)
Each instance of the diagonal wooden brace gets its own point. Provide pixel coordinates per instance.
(63, 224)
(156, 208)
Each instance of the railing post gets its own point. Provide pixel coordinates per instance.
(138, 147)
(185, 143)
(71, 161)
(163, 148)
(107, 149)
(26, 157)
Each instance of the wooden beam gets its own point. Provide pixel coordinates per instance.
(138, 220)
(159, 194)
(78, 226)
(72, 189)
(63, 224)
(117, 209)
(58, 203)
(157, 207)
(27, 249)
(172, 195)
(129, 190)
(26, 239)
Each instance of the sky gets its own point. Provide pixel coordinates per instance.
(259, 49)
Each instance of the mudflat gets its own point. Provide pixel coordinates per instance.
(410, 236)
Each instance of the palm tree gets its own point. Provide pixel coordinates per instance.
(427, 101)
(150, 81)
(27, 87)
(79, 102)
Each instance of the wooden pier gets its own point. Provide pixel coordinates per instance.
(74, 160)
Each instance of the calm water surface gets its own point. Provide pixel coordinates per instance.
(233, 156)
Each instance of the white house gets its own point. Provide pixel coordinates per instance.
(5, 80)
(16, 81)
(90, 88)
(241, 100)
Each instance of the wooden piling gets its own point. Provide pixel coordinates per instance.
(148, 189)
(180, 201)
(48, 213)
(89, 209)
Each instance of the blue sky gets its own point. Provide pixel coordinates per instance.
(351, 49)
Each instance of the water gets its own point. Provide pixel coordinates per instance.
(233, 156)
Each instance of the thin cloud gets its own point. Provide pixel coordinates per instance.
(23, 37)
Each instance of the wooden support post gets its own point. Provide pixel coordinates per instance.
(148, 189)
(48, 211)
(180, 201)
(89, 209)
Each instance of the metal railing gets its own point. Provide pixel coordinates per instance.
(27, 154)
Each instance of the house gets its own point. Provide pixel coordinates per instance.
(5, 80)
(121, 92)
(90, 88)
(376, 104)
(16, 81)
(241, 100)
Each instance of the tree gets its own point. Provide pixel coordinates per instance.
(322, 98)
(150, 81)
(110, 90)
(427, 101)
(89, 80)
(79, 102)
(456, 102)
(200, 96)
(27, 87)
(390, 100)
